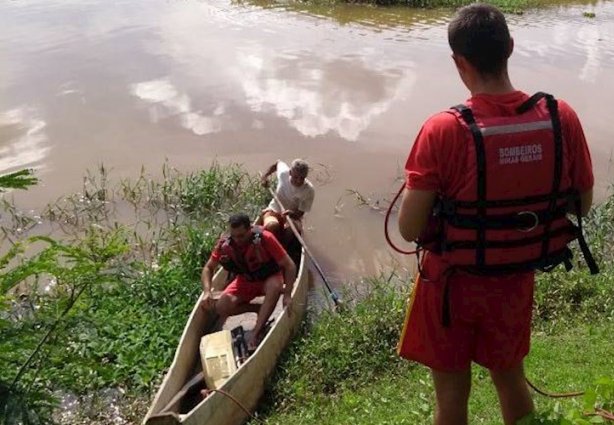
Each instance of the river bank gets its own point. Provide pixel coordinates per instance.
(96, 288)
(88, 336)
(344, 368)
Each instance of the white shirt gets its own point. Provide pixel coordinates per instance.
(292, 197)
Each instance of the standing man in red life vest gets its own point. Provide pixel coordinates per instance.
(456, 317)
(294, 191)
(262, 267)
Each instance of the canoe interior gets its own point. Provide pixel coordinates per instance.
(174, 401)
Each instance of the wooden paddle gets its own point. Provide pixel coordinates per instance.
(298, 236)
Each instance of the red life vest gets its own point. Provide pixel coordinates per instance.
(510, 214)
(254, 264)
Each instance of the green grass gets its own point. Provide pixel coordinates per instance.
(124, 288)
(403, 394)
(124, 285)
(344, 370)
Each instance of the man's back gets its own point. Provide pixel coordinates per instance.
(443, 154)
(519, 159)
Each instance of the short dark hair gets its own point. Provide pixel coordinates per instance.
(480, 34)
(239, 220)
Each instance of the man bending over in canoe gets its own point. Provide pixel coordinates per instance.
(296, 194)
(261, 265)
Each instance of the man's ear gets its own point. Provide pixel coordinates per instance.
(455, 59)
(461, 63)
(511, 47)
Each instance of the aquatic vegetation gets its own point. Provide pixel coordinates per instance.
(94, 290)
(17, 180)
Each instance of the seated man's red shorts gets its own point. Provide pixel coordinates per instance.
(247, 290)
(490, 322)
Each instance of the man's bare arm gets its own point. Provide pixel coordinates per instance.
(265, 177)
(289, 273)
(416, 207)
(207, 274)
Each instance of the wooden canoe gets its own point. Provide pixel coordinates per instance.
(171, 406)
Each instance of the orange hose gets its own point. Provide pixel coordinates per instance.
(206, 392)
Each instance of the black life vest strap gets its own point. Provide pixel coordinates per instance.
(266, 270)
(519, 221)
(531, 102)
(545, 264)
(451, 206)
(480, 221)
(586, 252)
(480, 153)
(570, 230)
(237, 263)
(552, 106)
(563, 256)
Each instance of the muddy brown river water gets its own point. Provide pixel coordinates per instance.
(138, 82)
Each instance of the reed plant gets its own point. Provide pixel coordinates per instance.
(95, 288)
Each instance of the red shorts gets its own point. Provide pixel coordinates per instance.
(247, 290)
(490, 322)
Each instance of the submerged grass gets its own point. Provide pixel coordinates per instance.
(505, 4)
(509, 6)
(344, 369)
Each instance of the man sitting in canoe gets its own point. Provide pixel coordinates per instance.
(295, 193)
(261, 265)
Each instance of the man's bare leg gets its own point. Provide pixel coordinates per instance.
(231, 305)
(452, 395)
(273, 287)
(271, 223)
(514, 396)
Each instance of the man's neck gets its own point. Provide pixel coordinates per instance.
(491, 85)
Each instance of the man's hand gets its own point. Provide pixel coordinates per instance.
(264, 178)
(208, 302)
(209, 299)
(293, 214)
(287, 303)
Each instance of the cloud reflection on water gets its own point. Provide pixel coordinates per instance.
(166, 101)
(22, 139)
(315, 81)
(320, 95)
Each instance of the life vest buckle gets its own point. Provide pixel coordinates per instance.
(531, 214)
(445, 207)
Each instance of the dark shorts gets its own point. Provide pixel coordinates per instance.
(490, 322)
